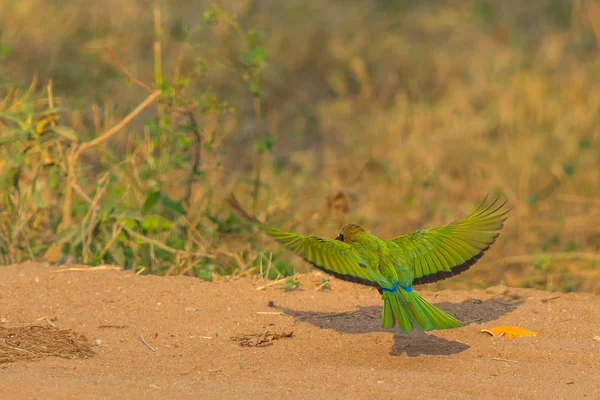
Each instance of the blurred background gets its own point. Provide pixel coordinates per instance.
(393, 114)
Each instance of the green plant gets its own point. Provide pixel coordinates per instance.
(130, 208)
(411, 125)
(291, 284)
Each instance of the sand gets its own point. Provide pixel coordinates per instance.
(86, 334)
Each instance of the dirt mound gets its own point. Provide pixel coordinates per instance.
(179, 337)
(34, 342)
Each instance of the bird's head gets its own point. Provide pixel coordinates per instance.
(347, 232)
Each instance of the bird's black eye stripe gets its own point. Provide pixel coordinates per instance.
(340, 237)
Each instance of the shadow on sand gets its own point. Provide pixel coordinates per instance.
(368, 319)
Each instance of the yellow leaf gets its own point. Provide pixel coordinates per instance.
(40, 127)
(509, 331)
(596, 338)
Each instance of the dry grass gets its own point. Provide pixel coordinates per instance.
(412, 113)
(34, 342)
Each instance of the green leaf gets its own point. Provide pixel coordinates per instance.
(123, 215)
(179, 31)
(116, 252)
(172, 205)
(254, 86)
(255, 38)
(156, 223)
(211, 16)
(4, 50)
(67, 234)
(484, 12)
(284, 267)
(11, 134)
(585, 144)
(571, 246)
(324, 284)
(151, 200)
(51, 111)
(255, 58)
(266, 144)
(66, 132)
(16, 119)
(130, 223)
(569, 169)
(37, 199)
(204, 274)
(291, 283)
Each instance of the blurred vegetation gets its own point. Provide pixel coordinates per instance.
(123, 127)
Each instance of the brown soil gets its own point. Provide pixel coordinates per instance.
(112, 334)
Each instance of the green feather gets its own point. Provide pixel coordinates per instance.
(438, 253)
(400, 313)
(333, 256)
(387, 318)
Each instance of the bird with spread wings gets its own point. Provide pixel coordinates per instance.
(394, 266)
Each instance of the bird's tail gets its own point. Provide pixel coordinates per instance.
(408, 309)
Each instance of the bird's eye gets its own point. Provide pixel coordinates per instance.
(340, 236)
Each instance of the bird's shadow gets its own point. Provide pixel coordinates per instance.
(368, 319)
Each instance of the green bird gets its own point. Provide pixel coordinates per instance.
(394, 266)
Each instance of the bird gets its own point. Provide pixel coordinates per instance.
(394, 266)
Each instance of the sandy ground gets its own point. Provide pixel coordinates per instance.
(337, 350)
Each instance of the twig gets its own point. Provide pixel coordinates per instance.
(196, 154)
(163, 246)
(323, 285)
(271, 284)
(76, 152)
(240, 262)
(96, 118)
(549, 299)
(148, 345)
(84, 195)
(259, 153)
(157, 52)
(20, 349)
(111, 55)
(48, 321)
(112, 131)
(246, 272)
(88, 269)
(50, 98)
(115, 234)
(475, 320)
(270, 313)
(336, 314)
(158, 75)
(504, 359)
(505, 303)
(282, 280)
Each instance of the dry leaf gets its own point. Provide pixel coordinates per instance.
(508, 331)
(596, 338)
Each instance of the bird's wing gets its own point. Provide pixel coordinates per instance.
(439, 253)
(332, 256)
